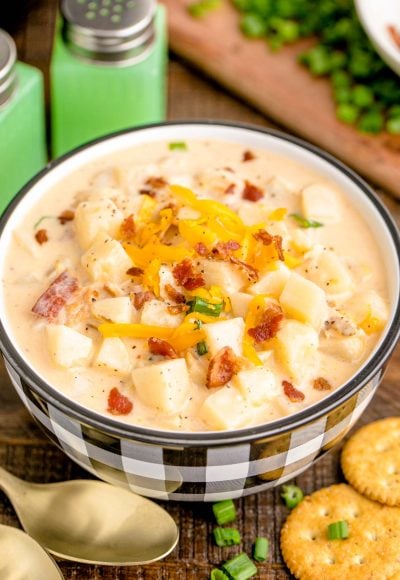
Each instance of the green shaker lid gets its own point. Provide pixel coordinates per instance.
(8, 58)
(109, 31)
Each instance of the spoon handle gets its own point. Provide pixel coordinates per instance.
(11, 484)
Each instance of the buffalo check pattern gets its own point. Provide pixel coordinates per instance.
(194, 473)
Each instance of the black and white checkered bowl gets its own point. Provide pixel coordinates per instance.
(213, 465)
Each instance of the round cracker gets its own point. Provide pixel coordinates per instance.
(371, 461)
(371, 551)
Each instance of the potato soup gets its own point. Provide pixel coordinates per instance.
(195, 286)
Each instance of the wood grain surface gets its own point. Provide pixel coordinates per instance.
(279, 87)
(26, 452)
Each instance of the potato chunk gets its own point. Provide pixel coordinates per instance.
(155, 313)
(225, 409)
(106, 260)
(224, 275)
(113, 357)
(347, 348)
(296, 348)
(68, 347)
(164, 385)
(118, 309)
(319, 203)
(225, 333)
(273, 282)
(240, 302)
(304, 300)
(256, 385)
(92, 217)
(331, 273)
(369, 310)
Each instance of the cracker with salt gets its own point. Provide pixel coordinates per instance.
(371, 461)
(372, 550)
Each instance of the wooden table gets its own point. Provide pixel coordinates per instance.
(26, 451)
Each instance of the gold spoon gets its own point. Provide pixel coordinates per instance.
(92, 521)
(22, 557)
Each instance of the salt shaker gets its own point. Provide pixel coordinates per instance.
(108, 69)
(22, 121)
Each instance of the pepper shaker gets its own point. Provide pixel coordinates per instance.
(108, 69)
(22, 121)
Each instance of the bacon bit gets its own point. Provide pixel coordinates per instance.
(248, 156)
(251, 192)
(185, 275)
(395, 34)
(178, 308)
(321, 384)
(41, 237)
(222, 367)
(223, 250)
(134, 271)
(56, 296)
(139, 298)
(230, 189)
(161, 347)
(174, 294)
(151, 185)
(250, 271)
(269, 325)
(201, 249)
(66, 216)
(293, 394)
(264, 237)
(127, 228)
(118, 404)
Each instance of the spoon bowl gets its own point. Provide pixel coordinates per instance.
(22, 557)
(91, 521)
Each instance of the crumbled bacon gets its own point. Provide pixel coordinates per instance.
(230, 189)
(321, 384)
(293, 394)
(139, 298)
(248, 156)
(173, 293)
(178, 308)
(269, 326)
(251, 192)
(118, 404)
(56, 296)
(135, 272)
(186, 276)
(127, 228)
(222, 367)
(266, 238)
(66, 216)
(250, 271)
(41, 237)
(201, 249)
(223, 250)
(161, 347)
(151, 185)
(395, 34)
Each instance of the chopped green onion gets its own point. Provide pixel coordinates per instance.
(226, 537)
(260, 551)
(292, 495)
(40, 220)
(177, 146)
(338, 530)
(224, 511)
(304, 222)
(201, 348)
(347, 113)
(202, 7)
(240, 567)
(218, 575)
(200, 305)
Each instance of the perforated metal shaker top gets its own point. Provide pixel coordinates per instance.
(8, 58)
(109, 31)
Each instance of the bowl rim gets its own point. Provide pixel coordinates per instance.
(271, 429)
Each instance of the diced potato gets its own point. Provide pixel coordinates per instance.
(197, 367)
(225, 409)
(331, 274)
(304, 300)
(164, 386)
(256, 385)
(166, 277)
(272, 283)
(240, 302)
(68, 347)
(106, 260)
(118, 309)
(218, 179)
(252, 213)
(347, 348)
(113, 356)
(296, 347)
(225, 333)
(156, 313)
(368, 309)
(319, 203)
(92, 217)
(224, 275)
(303, 240)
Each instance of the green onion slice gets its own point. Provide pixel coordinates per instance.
(338, 530)
(304, 222)
(292, 495)
(201, 8)
(260, 550)
(240, 567)
(224, 511)
(177, 146)
(201, 348)
(226, 537)
(200, 305)
(40, 220)
(218, 575)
